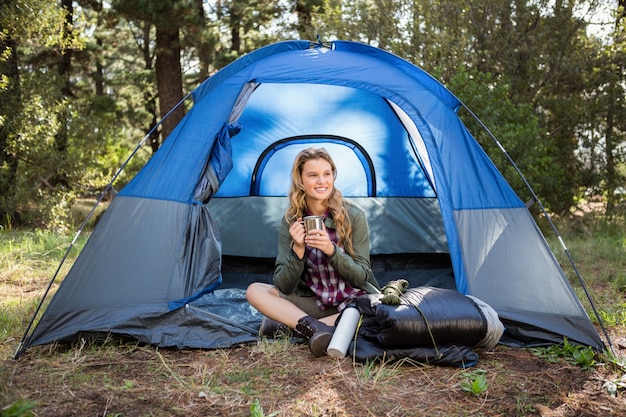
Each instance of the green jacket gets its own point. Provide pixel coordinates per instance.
(357, 270)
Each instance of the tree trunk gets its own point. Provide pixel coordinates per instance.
(10, 108)
(304, 11)
(99, 74)
(204, 52)
(149, 98)
(64, 71)
(169, 77)
(609, 150)
(235, 25)
(616, 77)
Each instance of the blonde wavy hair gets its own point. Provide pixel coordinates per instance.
(335, 201)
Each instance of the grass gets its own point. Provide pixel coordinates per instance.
(29, 260)
(598, 250)
(276, 378)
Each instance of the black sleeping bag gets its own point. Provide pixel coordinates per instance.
(430, 325)
(362, 350)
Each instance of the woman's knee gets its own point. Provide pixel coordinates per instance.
(259, 290)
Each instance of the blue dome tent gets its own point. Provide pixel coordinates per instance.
(168, 262)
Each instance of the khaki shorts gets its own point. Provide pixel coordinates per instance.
(308, 305)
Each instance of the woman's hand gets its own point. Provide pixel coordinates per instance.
(297, 232)
(320, 239)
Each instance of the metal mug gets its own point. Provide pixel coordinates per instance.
(313, 222)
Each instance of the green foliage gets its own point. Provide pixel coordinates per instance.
(20, 408)
(576, 354)
(34, 249)
(616, 317)
(256, 410)
(523, 408)
(598, 247)
(46, 177)
(29, 259)
(474, 382)
(39, 23)
(514, 125)
(614, 385)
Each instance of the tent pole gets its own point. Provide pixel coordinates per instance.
(552, 225)
(108, 189)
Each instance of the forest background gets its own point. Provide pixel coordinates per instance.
(82, 82)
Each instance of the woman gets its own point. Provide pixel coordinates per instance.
(317, 274)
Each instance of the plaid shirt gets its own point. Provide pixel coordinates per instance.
(330, 288)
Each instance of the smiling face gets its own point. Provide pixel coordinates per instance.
(318, 180)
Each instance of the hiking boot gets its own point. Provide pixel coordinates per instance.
(318, 333)
(274, 329)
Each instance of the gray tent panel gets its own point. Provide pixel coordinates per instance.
(145, 260)
(249, 225)
(527, 283)
(524, 329)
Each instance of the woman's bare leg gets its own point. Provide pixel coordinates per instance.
(266, 299)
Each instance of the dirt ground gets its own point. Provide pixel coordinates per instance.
(282, 379)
